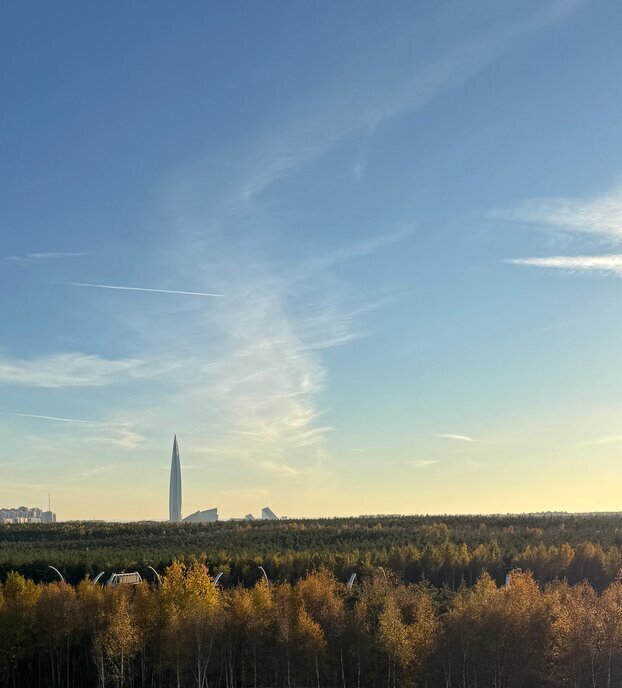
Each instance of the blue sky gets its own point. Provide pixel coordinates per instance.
(397, 229)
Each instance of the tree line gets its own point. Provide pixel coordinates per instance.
(448, 551)
(318, 632)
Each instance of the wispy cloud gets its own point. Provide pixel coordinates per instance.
(278, 468)
(457, 438)
(67, 370)
(367, 246)
(358, 100)
(362, 98)
(126, 288)
(117, 433)
(264, 380)
(598, 216)
(607, 264)
(250, 375)
(252, 367)
(38, 257)
(424, 463)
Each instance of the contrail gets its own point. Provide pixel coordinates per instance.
(159, 291)
(64, 420)
(49, 255)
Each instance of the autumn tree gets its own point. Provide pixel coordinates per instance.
(56, 620)
(191, 605)
(17, 614)
(117, 643)
(323, 599)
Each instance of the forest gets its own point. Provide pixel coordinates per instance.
(446, 551)
(447, 602)
(318, 632)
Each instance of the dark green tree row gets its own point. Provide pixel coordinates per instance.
(315, 633)
(447, 552)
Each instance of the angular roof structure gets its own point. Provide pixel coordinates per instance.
(205, 516)
(268, 515)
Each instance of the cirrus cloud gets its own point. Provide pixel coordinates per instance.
(598, 218)
(457, 438)
(67, 370)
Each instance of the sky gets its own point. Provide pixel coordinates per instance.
(360, 257)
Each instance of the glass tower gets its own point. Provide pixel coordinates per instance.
(174, 495)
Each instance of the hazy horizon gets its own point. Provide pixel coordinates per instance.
(361, 258)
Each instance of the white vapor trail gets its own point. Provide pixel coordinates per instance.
(607, 263)
(125, 288)
(56, 418)
(50, 255)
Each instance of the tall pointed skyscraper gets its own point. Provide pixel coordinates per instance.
(174, 494)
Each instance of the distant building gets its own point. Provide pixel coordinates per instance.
(268, 515)
(24, 514)
(174, 496)
(207, 516)
(174, 492)
(249, 517)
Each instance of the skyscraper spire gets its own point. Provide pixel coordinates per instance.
(174, 495)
